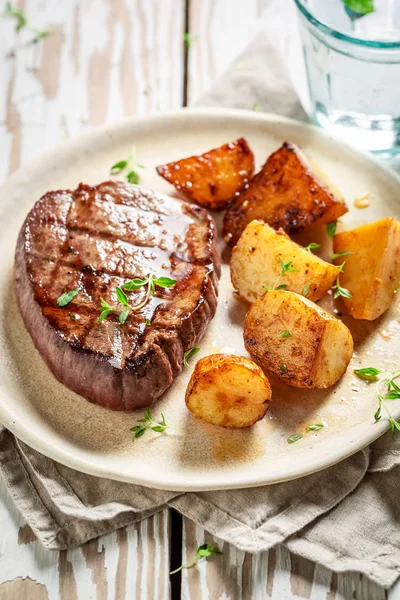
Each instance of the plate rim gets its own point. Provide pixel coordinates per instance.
(85, 466)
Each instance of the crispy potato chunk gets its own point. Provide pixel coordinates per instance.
(214, 178)
(297, 341)
(290, 192)
(229, 391)
(255, 264)
(372, 272)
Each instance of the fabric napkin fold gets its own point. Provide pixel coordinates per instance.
(345, 517)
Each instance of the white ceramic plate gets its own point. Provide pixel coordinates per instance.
(195, 455)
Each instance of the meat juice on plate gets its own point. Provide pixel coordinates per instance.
(353, 70)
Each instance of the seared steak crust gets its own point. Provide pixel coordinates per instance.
(95, 239)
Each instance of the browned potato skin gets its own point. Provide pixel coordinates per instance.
(229, 391)
(213, 178)
(255, 264)
(372, 272)
(317, 354)
(289, 193)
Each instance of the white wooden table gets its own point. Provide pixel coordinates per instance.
(107, 59)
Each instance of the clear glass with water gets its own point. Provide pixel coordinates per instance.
(353, 71)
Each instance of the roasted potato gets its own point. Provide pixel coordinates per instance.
(372, 272)
(289, 192)
(296, 340)
(255, 264)
(214, 178)
(229, 391)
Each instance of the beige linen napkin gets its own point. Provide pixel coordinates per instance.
(345, 517)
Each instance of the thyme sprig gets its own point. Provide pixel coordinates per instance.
(189, 354)
(17, 14)
(295, 437)
(151, 281)
(148, 423)
(312, 246)
(130, 165)
(392, 391)
(284, 268)
(204, 551)
(337, 288)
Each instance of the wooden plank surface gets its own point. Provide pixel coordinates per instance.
(219, 31)
(106, 59)
(277, 574)
(119, 565)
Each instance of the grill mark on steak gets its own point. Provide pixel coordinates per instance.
(122, 367)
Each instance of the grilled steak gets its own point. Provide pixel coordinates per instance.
(93, 240)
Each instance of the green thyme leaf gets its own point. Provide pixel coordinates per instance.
(392, 395)
(67, 297)
(395, 426)
(118, 167)
(165, 282)
(124, 315)
(362, 7)
(283, 368)
(189, 355)
(105, 304)
(40, 34)
(337, 254)
(121, 296)
(132, 177)
(158, 428)
(134, 284)
(312, 246)
(73, 316)
(140, 432)
(17, 14)
(283, 286)
(294, 437)
(104, 314)
(306, 289)
(188, 40)
(341, 291)
(368, 373)
(255, 107)
(331, 229)
(285, 334)
(393, 386)
(147, 321)
(73, 228)
(315, 427)
(206, 550)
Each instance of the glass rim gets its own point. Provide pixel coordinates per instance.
(343, 36)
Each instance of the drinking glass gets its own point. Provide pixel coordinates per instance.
(353, 71)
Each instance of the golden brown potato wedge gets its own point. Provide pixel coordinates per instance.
(297, 341)
(229, 391)
(255, 264)
(289, 192)
(372, 271)
(214, 178)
